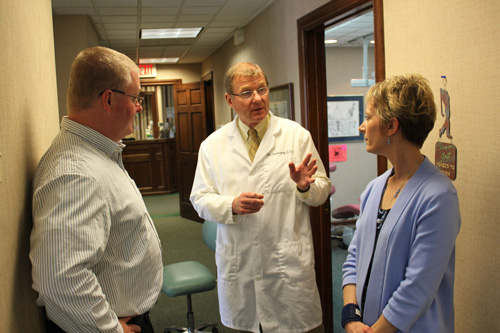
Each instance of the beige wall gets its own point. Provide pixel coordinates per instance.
(459, 39)
(344, 64)
(29, 121)
(186, 72)
(72, 34)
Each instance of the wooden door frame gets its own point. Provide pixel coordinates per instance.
(208, 80)
(159, 82)
(313, 93)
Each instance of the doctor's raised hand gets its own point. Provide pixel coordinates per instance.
(302, 174)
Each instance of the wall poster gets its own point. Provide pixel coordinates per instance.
(345, 115)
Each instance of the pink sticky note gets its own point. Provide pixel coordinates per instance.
(338, 153)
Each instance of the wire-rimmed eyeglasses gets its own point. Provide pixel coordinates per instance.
(137, 99)
(262, 91)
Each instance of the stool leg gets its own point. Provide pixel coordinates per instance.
(190, 315)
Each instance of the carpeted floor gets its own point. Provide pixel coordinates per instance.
(338, 258)
(181, 240)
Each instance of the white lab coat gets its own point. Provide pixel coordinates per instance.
(265, 261)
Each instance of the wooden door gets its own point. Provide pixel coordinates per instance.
(190, 121)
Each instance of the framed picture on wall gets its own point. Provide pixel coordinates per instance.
(345, 114)
(281, 101)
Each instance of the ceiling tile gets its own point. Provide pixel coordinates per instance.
(158, 18)
(116, 24)
(118, 11)
(196, 18)
(116, 3)
(161, 3)
(119, 19)
(66, 3)
(199, 3)
(160, 10)
(73, 11)
(225, 24)
(157, 25)
(116, 37)
(121, 32)
(191, 25)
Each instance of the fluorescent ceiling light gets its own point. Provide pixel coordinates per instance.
(158, 60)
(170, 33)
(331, 41)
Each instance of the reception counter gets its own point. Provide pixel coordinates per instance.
(152, 165)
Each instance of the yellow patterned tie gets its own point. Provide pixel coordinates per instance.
(254, 143)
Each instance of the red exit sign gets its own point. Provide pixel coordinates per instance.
(147, 70)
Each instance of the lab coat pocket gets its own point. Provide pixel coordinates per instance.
(227, 260)
(295, 261)
(276, 175)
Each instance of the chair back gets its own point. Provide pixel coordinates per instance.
(209, 233)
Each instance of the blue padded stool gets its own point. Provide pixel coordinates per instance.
(190, 277)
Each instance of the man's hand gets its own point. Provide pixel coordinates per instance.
(247, 203)
(302, 174)
(128, 328)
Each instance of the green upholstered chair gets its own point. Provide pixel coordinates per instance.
(191, 277)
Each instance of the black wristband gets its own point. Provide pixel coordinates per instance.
(302, 191)
(351, 312)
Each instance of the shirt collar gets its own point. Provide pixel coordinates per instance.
(95, 138)
(261, 127)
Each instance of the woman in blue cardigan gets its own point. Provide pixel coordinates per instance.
(399, 272)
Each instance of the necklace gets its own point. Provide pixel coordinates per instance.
(420, 160)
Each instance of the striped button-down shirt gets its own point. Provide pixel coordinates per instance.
(95, 252)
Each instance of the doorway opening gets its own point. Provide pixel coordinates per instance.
(313, 91)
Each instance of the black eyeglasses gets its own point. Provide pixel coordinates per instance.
(263, 91)
(137, 99)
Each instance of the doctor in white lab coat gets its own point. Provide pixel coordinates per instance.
(264, 254)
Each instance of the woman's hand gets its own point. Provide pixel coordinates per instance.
(357, 327)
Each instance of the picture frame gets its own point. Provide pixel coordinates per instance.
(345, 115)
(281, 101)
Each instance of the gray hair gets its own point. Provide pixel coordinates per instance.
(245, 69)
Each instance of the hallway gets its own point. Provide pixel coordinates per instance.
(181, 240)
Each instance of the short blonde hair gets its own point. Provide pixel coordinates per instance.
(408, 98)
(93, 71)
(245, 69)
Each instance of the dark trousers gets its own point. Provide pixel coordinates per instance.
(142, 320)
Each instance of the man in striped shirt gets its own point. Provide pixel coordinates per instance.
(96, 256)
